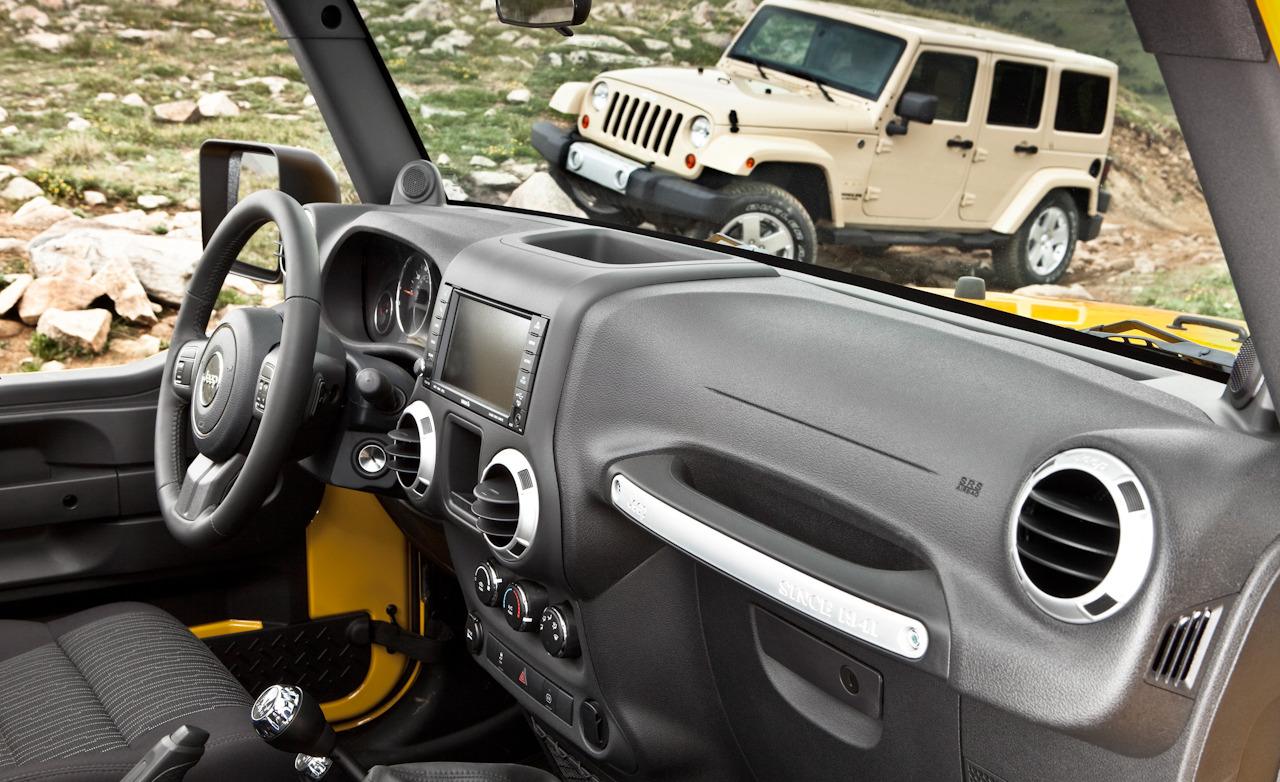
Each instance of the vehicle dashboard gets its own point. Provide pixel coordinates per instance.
(677, 413)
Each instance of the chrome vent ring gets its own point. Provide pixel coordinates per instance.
(506, 504)
(412, 453)
(1081, 535)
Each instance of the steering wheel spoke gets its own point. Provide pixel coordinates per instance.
(182, 377)
(206, 483)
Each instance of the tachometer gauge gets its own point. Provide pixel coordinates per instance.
(413, 299)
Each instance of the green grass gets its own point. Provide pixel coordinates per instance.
(230, 296)
(50, 349)
(1212, 294)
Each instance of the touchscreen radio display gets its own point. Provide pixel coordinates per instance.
(484, 352)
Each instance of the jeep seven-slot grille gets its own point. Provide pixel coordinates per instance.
(643, 123)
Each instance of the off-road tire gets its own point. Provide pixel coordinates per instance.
(1012, 259)
(785, 208)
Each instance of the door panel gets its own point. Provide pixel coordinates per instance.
(919, 176)
(1010, 138)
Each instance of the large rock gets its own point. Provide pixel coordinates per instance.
(10, 328)
(40, 211)
(29, 15)
(541, 193)
(452, 41)
(11, 293)
(83, 329)
(590, 41)
(117, 279)
(178, 111)
(136, 349)
(163, 264)
(494, 180)
(217, 104)
(20, 188)
(50, 42)
(71, 288)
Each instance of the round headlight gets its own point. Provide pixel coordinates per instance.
(700, 132)
(600, 96)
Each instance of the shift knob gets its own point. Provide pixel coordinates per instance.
(378, 390)
(290, 720)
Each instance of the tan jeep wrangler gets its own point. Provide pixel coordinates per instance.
(826, 123)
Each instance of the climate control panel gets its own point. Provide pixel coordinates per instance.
(527, 608)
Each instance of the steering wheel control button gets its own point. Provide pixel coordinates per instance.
(558, 632)
(523, 603)
(489, 584)
(371, 459)
(473, 634)
(264, 385)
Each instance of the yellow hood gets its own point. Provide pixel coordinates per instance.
(1080, 314)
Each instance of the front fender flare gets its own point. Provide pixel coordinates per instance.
(729, 153)
(568, 97)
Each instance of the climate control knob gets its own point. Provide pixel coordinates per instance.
(489, 584)
(559, 633)
(523, 603)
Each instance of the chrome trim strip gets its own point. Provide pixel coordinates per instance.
(799, 591)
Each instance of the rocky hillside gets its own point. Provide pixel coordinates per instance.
(103, 105)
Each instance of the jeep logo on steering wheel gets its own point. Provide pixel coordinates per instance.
(211, 380)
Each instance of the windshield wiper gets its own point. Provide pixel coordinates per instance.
(1164, 342)
(751, 61)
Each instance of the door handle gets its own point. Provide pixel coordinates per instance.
(1026, 149)
(960, 143)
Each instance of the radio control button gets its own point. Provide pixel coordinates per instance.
(524, 380)
(527, 361)
(538, 326)
(533, 343)
(519, 398)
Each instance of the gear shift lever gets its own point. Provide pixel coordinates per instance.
(291, 721)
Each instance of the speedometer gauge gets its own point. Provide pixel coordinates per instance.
(413, 299)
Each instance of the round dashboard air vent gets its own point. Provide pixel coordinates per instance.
(1082, 534)
(506, 504)
(412, 453)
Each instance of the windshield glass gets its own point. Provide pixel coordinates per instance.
(843, 55)
(1046, 169)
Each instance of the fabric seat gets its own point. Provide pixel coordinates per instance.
(86, 696)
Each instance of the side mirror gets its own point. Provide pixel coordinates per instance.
(560, 14)
(231, 170)
(913, 107)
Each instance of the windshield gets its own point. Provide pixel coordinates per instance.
(1048, 169)
(842, 55)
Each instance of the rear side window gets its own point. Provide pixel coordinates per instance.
(1017, 94)
(1082, 103)
(948, 76)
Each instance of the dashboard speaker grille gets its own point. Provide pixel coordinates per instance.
(1182, 647)
(1246, 375)
(1068, 533)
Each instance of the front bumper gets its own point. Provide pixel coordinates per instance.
(642, 188)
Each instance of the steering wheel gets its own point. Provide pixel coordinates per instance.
(241, 393)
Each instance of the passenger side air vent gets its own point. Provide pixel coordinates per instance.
(1082, 535)
(506, 504)
(1182, 649)
(412, 453)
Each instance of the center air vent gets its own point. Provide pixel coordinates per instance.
(506, 504)
(412, 453)
(1082, 535)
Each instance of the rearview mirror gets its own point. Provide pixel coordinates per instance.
(560, 14)
(913, 107)
(231, 170)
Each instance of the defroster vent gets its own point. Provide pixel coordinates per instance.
(1183, 648)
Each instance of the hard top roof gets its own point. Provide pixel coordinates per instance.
(939, 31)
